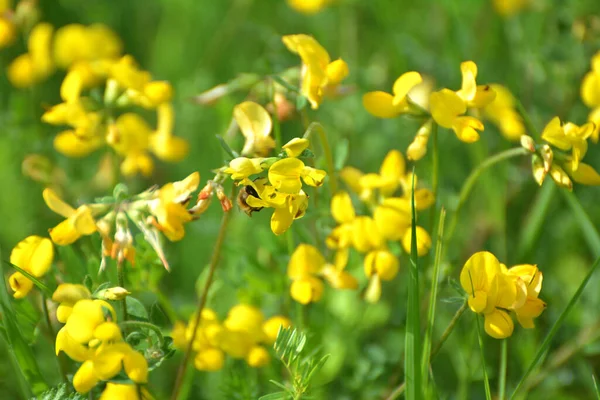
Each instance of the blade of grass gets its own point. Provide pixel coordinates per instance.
(502, 373)
(555, 327)
(433, 298)
(596, 387)
(19, 349)
(591, 235)
(535, 220)
(412, 359)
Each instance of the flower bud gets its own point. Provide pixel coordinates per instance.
(225, 202)
(538, 170)
(114, 293)
(547, 156)
(418, 148)
(528, 143)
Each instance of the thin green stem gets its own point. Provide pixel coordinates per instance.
(486, 380)
(400, 389)
(502, 372)
(121, 279)
(526, 119)
(472, 179)
(435, 171)
(147, 325)
(61, 364)
(201, 303)
(276, 124)
(315, 126)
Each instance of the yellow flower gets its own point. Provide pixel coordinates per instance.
(381, 263)
(169, 206)
(162, 142)
(74, 43)
(365, 235)
(8, 32)
(285, 175)
(335, 275)
(305, 263)
(502, 112)
(448, 109)
(307, 289)
(255, 123)
(319, 75)
(491, 292)
(418, 147)
(385, 105)
(308, 6)
(245, 318)
(36, 65)
(506, 8)
(393, 218)
(529, 281)
(33, 254)
(241, 168)
(272, 325)
(295, 147)
(121, 391)
(258, 357)
(209, 359)
(475, 96)
(569, 137)
(423, 241)
(20, 285)
(78, 221)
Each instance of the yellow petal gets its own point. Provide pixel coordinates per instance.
(382, 263)
(313, 177)
(341, 208)
(258, 357)
(136, 366)
(446, 106)
(498, 324)
(483, 96)
(365, 235)
(285, 174)
(253, 120)
(554, 134)
(158, 92)
(70, 89)
(306, 290)
(34, 254)
(281, 220)
(63, 312)
(478, 301)
(590, 90)
(478, 272)
(85, 378)
(210, 359)
(118, 391)
(72, 145)
(336, 72)
(85, 317)
(305, 260)
(83, 221)
(39, 48)
(560, 177)
(392, 169)
(109, 361)
(56, 204)
(169, 148)
(21, 71)
(469, 75)
(392, 222)
(64, 233)
(381, 105)
(20, 284)
(423, 241)
(404, 84)
(373, 290)
(585, 174)
(466, 128)
(272, 325)
(108, 331)
(76, 351)
(243, 167)
(295, 147)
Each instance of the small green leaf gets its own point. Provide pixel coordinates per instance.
(285, 84)
(136, 309)
(275, 396)
(301, 102)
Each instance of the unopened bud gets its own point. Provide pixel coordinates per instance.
(560, 177)
(547, 156)
(206, 191)
(200, 207)
(528, 143)
(418, 148)
(114, 293)
(537, 168)
(225, 202)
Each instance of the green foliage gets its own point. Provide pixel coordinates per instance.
(61, 392)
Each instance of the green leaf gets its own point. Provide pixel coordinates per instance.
(412, 360)
(19, 348)
(136, 309)
(596, 387)
(275, 396)
(285, 84)
(43, 288)
(61, 392)
(546, 343)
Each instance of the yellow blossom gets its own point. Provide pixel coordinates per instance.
(385, 105)
(295, 147)
(258, 357)
(67, 294)
(37, 64)
(529, 281)
(319, 75)
(255, 124)
(507, 8)
(423, 241)
(447, 109)
(78, 221)
(75, 42)
(8, 32)
(285, 175)
(33, 254)
(308, 6)
(242, 167)
(503, 113)
(272, 325)
(569, 137)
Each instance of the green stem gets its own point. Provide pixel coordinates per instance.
(502, 373)
(472, 179)
(486, 380)
(435, 171)
(121, 279)
(276, 124)
(315, 126)
(61, 364)
(400, 389)
(526, 119)
(201, 303)
(146, 325)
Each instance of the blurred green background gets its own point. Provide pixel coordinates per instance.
(539, 53)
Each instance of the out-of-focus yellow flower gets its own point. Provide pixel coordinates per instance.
(37, 64)
(8, 31)
(308, 6)
(272, 325)
(320, 75)
(418, 147)
(33, 254)
(74, 43)
(386, 105)
(169, 206)
(210, 359)
(507, 8)
(78, 221)
(122, 391)
(423, 241)
(502, 112)
(255, 123)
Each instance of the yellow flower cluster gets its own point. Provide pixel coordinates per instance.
(308, 6)
(388, 194)
(34, 255)
(495, 290)
(307, 265)
(8, 30)
(154, 211)
(281, 189)
(590, 94)
(563, 167)
(447, 108)
(92, 337)
(93, 58)
(241, 336)
(320, 76)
